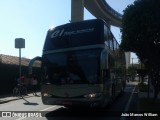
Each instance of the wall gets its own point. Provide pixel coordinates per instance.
(8, 74)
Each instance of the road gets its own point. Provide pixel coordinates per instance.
(123, 104)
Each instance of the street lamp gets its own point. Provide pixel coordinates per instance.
(19, 43)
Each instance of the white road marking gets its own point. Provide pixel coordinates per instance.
(128, 103)
(48, 108)
(21, 118)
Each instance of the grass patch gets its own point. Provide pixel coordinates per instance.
(149, 105)
(143, 87)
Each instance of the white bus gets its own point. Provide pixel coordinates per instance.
(82, 65)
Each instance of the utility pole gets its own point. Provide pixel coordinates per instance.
(133, 70)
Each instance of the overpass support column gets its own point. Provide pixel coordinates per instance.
(77, 10)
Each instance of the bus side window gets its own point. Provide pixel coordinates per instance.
(106, 75)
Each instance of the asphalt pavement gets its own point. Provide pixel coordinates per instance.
(9, 97)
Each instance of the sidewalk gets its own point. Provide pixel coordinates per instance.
(10, 97)
(143, 94)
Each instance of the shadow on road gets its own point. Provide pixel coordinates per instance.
(28, 103)
(81, 114)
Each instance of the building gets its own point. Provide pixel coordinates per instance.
(13, 60)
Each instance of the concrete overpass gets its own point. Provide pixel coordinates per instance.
(98, 8)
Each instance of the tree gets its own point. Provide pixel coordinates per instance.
(141, 35)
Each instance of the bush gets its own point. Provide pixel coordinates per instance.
(143, 87)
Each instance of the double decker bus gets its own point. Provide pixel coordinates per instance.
(82, 65)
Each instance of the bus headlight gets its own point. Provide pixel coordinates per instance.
(92, 95)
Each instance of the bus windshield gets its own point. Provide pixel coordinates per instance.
(74, 67)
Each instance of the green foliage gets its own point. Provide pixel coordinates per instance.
(7, 77)
(143, 87)
(132, 70)
(141, 35)
(149, 105)
(140, 31)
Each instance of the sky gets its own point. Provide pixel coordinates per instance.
(31, 19)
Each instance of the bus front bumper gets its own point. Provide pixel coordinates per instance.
(68, 102)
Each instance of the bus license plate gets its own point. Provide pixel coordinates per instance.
(67, 103)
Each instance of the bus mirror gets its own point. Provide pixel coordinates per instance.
(31, 62)
(104, 60)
